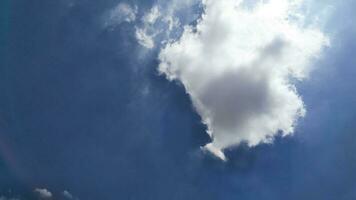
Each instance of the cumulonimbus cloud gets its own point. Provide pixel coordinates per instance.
(238, 65)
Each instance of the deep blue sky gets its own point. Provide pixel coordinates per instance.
(80, 111)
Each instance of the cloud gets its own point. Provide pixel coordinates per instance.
(159, 22)
(67, 195)
(239, 65)
(152, 16)
(43, 193)
(146, 33)
(144, 38)
(119, 14)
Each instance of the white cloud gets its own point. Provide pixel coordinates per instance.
(145, 39)
(160, 21)
(43, 193)
(152, 16)
(215, 151)
(238, 65)
(146, 33)
(119, 14)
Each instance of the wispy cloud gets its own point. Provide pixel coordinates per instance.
(159, 22)
(121, 13)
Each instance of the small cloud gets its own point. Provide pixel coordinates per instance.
(43, 193)
(119, 14)
(144, 38)
(157, 24)
(214, 151)
(67, 195)
(146, 33)
(152, 16)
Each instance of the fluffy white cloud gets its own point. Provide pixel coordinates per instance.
(119, 14)
(238, 65)
(43, 193)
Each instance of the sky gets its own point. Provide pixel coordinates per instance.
(190, 99)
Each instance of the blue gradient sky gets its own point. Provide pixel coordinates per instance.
(81, 111)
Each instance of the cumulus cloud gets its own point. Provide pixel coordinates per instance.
(43, 193)
(239, 65)
(119, 14)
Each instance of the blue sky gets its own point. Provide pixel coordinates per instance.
(83, 109)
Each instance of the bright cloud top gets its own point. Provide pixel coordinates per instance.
(238, 65)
